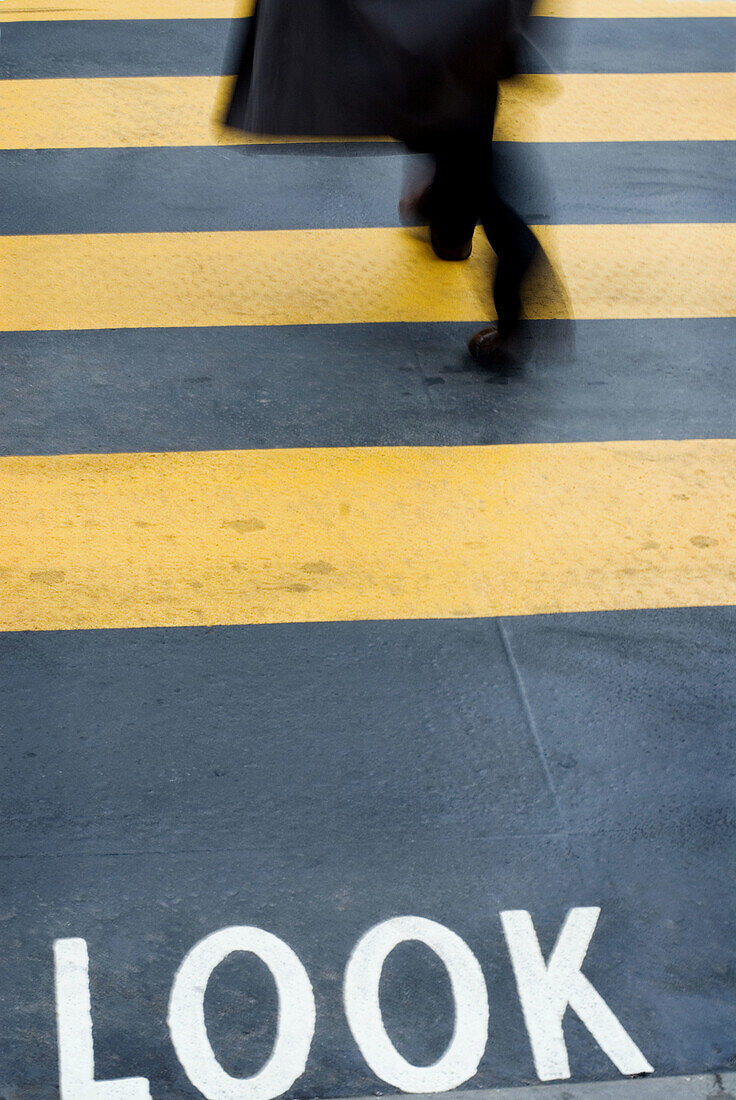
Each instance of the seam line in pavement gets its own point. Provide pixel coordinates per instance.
(531, 723)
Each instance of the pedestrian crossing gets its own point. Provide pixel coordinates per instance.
(257, 189)
(365, 533)
(265, 526)
(79, 47)
(344, 276)
(109, 112)
(225, 9)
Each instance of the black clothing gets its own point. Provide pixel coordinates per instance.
(408, 69)
(464, 193)
(424, 72)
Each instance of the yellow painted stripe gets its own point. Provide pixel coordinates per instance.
(365, 533)
(619, 107)
(23, 10)
(44, 10)
(105, 112)
(345, 276)
(635, 9)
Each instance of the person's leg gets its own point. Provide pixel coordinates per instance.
(516, 247)
(463, 191)
(444, 193)
(454, 198)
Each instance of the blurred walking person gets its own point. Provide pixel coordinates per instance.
(424, 72)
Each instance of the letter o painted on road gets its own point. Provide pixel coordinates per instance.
(295, 1022)
(363, 1008)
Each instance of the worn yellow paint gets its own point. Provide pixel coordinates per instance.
(365, 533)
(346, 276)
(45, 10)
(27, 10)
(619, 107)
(635, 9)
(111, 112)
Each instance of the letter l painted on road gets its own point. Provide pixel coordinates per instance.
(546, 989)
(74, 1026)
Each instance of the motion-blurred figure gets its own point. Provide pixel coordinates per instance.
(425, 72)
(461, 193)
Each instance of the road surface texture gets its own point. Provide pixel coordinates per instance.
(310, 625)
